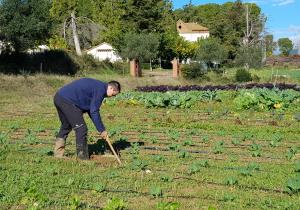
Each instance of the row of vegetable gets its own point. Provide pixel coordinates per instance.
(256, 98)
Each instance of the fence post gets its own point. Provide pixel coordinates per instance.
(135, 68)
(176, 68)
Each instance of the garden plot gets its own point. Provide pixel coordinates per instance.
(173, 158)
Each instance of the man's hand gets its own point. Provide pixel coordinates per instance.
(104, 135)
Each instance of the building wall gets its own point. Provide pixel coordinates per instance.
(103, 54)
(193, 37)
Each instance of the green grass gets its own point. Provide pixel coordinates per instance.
(31, 178)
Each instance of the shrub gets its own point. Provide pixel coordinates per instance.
(242, 75)
(193, 70)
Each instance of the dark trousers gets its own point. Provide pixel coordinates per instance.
(71, 117)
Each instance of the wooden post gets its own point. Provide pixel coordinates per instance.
(135, 69)
(176, 68)
(132, 68)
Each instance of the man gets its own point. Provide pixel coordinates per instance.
(71, 101)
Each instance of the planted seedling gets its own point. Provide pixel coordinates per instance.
(255, 149)
(135, 149)
(253, 166)
(156, 191)
(14, 127)
(229, 197)
(138, 164)
(231, 181)
(276, 139)
(154, 139)
(205, 139)
(159, 158)
(168, 206)
(235, 142)
(166, 178)
(297, 166)
(196, 166)
(219, 147)
(3, 138)
(293, 185)
(292, 152)
(245, 172)
(30, 137)
(187, 142)
(100, 187)
(115, 204)
(174, 147)
(184, 154)
(174, 135)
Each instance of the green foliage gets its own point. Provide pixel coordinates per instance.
(255, 150)
(53, 61)
(196, 166)
(159, 158)
(218, 147)
(265, 99)
(172, 99)
(115, 204)
(30, 137)
(270, 44)
(138, 164)
(155, 191)
(193, 70)
(229, 197)
(24, 24)
(231, 181)
(140, 46)
(243, 75)
(168, 206)
(285, 46)
(166, 178)
(293, 185)
(3, 138)
(99, 187)
(225, 21)
(297, 166)
(211, 52)
(249, 57)
(292, 152)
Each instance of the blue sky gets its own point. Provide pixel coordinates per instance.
(283, 15)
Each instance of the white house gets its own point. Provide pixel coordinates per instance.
(38, 49)
(192, 31)
(104, 51)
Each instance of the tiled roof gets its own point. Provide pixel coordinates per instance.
(183, 27)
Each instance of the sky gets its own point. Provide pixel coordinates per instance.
(283, 16)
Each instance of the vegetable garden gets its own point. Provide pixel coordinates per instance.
(208, 149)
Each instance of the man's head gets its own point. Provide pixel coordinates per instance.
(113, 88)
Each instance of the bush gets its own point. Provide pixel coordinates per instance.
(53, 61)
(242, 75)
(193, 70)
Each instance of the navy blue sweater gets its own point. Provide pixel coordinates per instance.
(87, 94)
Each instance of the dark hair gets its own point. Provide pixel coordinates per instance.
(115, 84)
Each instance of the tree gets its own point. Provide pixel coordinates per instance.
(249, 56)
(76, 16)
(24, 23)
(227, 22)
(270, 44)
(142, 47)
(211, 52)
(144, 16)
(285, 46)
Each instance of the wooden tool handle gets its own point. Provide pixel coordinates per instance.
(112, 149)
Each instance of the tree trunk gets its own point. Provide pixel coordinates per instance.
(75, 35)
